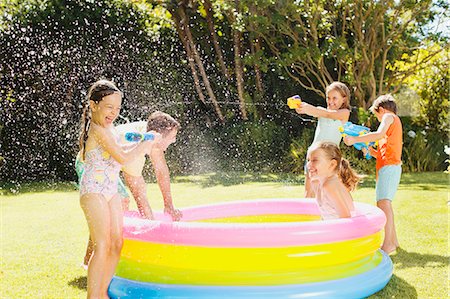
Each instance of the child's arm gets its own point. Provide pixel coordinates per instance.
(138, 188)
(333, 192)
(163, 178)
(341, 114)
(386, 121)
(372, 152)
(107, 140)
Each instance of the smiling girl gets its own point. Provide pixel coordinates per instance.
(99, 197)
(329, 119)
(332, 179)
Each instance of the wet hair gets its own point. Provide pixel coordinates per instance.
(343, 90)
(347, 175)
(96, 93)
(386, 101)
(162, 123)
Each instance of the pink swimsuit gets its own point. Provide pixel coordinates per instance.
(101, 174)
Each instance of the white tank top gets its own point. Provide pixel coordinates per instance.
(328, 130)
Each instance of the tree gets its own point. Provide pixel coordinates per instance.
(52, 51)
(181, 20)
(317, 42)
(234, 17)
(209, 14)
(431, 82)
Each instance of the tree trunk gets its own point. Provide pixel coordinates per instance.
(256, 47)
(184, 24)
(212, 31)
(190, 57)
(239, 72)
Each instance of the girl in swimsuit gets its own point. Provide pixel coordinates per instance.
(99, 197)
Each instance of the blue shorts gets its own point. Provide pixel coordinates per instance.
(388, 181)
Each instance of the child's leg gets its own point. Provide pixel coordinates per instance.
(387, 184)
(116, 228)
(89, 251)
(97, 212)
(124, 196)
(390, 235)
(125, 203)
(138, 188)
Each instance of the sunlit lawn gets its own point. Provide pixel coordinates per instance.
(43, 231)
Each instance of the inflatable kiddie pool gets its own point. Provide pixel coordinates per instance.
(270, 248)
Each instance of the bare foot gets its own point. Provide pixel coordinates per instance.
(389, 248)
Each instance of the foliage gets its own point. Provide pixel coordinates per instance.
(253, 146)
(423, 148)
(431, 83)
(318, 42)
(298, 150)
(357, 160)
(51, 51)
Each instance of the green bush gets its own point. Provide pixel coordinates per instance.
(423, 151)
(51, 51)
(299, 147)
(252, 146)
(357, 160)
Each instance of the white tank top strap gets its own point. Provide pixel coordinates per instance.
(328, 130)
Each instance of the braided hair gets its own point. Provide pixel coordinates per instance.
(96, 93)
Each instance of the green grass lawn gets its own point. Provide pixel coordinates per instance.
(44, 234)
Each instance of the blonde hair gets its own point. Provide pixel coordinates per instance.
(96, 93)
(345, 172)
(386, 101)
(343, 91)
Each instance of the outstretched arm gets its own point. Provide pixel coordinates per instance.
(341, 114)
(163, 178)
(386, 121)
(106, 139)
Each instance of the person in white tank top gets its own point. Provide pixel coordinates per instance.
(330, 119)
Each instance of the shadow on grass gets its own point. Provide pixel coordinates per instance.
(79, 283)
(404, 259)
(8, 188)
(396, 288)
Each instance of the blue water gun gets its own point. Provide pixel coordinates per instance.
(357, 130)
(136, 136)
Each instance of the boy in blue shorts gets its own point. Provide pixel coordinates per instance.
(390, 142)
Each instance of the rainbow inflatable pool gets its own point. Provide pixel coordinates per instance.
(271, 248)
